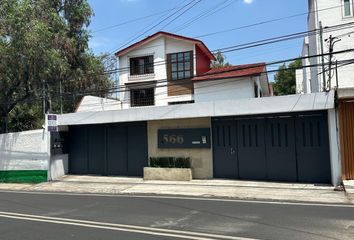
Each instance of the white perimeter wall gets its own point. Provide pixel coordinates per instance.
(227, 89)
(27, 150)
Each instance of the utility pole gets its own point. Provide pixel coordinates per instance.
(61, 97)
(332, 41)
(322, 59)
(44, 98)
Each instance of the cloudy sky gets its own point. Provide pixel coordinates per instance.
(120, 22)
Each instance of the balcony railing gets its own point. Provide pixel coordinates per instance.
(141, 77)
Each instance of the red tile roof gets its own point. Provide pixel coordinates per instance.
(171, 35)
(232, 72)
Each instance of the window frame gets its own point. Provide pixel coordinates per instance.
(147, 66)
(351, 8)
(142, 101)
(178, 66)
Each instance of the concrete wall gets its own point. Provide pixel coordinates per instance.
(334, 147)
(59, 166)
(27, 150)
(226, 89)
(202, 163)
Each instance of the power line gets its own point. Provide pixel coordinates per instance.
(214, 9)
(259, 43)
(218, 83)
(225, 71)
(244, 46)
(155, 25)
(131, 21)
(179, 15)
(265, 22)
(256, 43)
(102, 91)
(249, 25)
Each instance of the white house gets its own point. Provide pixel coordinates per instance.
(328, 14)
(167, 69)
(232, 82)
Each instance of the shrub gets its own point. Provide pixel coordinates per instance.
(170, 162)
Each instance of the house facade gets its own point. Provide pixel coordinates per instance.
(333, 23)
(233, 129)
(166, 69)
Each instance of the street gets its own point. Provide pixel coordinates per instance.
(74, 216)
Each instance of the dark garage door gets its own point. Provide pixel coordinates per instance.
(108, 149)
(278, 148)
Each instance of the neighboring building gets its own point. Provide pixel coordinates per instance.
(166, 69)
(232, 82)
(327, 14)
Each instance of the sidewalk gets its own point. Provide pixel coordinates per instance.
(349, 188)
(234, 189)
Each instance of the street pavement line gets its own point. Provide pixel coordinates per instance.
(122, 227)
(280, 202)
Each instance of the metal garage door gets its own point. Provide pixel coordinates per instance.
(278, 147)
(108, 149)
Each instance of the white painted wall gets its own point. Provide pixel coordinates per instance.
(299, 81)
(330, 17)
(158, 48)
(303, 76)
(92, 103)
(334, 147)
(59, 166)
(225, 89)
(238, 107)
(155, 48)
(27, 150)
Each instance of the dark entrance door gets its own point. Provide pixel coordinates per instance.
(224, 148)
(313, 148)
(251, 149)
(281, 155)
(293, 147)
(108, 149)
(117, 154)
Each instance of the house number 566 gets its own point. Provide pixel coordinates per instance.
(173, 139)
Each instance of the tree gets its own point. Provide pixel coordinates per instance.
(285, 79)
(44, 43)
(220, 61)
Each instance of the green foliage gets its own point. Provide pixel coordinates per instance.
(285, 79)
(170, 162)
(44, 41)
(220, 61)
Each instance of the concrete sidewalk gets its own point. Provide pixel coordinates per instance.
(235, 189)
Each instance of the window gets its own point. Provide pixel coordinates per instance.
(142, 65)
(256, 90)
(142, 97)
(347, 8)
(181, 65)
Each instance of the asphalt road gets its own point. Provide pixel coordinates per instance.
(85, 217)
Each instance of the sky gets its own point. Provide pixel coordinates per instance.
(116, 24)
